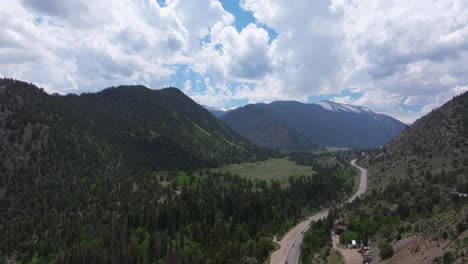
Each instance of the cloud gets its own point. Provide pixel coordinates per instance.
(57, 8)
(408, 48)
(432, 101)
(398, 54)
(307, 48)
(83, 46)
(390, 50)
(187, 86)
(236, 56)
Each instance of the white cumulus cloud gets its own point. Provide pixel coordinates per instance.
(397, 53)
(388, 49)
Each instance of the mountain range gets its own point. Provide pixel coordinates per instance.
(126, 125)
(111, 175)
(291, 125)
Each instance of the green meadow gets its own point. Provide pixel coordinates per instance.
(271, 169)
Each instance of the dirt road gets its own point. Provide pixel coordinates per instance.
(350, 256)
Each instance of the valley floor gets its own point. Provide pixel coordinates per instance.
(279, 169)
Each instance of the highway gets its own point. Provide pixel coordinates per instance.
(362, 184)
(290, 244)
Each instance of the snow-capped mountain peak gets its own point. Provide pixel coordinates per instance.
(209, 108)
(218, 112)
(337, 107)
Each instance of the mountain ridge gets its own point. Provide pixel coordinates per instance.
(432, 145)
(326, 104)
(326, 124)
(217, 112)
(416, 202)
(264, 130)
(146, 126)
(334, 106)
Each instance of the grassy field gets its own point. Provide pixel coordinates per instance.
(182, 178)
(272, 169)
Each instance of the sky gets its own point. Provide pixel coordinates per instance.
(398, 57)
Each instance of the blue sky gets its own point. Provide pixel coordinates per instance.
(243, 17)
(402, 58)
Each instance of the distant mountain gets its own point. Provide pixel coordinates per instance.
(126, 127)
(434, 148)
(217, 112)
(327, 124)
(260, 127)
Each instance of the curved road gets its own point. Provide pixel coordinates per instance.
(290, 244)
(362, 184)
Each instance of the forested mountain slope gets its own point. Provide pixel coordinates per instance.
(81, 181)
(415, 210)
(91, 178)
(126, 124)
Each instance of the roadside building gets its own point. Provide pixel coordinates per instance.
(341, 228)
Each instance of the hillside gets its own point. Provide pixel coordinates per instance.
(327, 124)
(262, 129)
(135, 125)
(81, 181)
(84, 178)
(435, 146)
(415, 207)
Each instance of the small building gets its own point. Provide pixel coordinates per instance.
(341, 228)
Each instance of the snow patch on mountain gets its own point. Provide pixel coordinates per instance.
(216, 109)
(332, 106)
